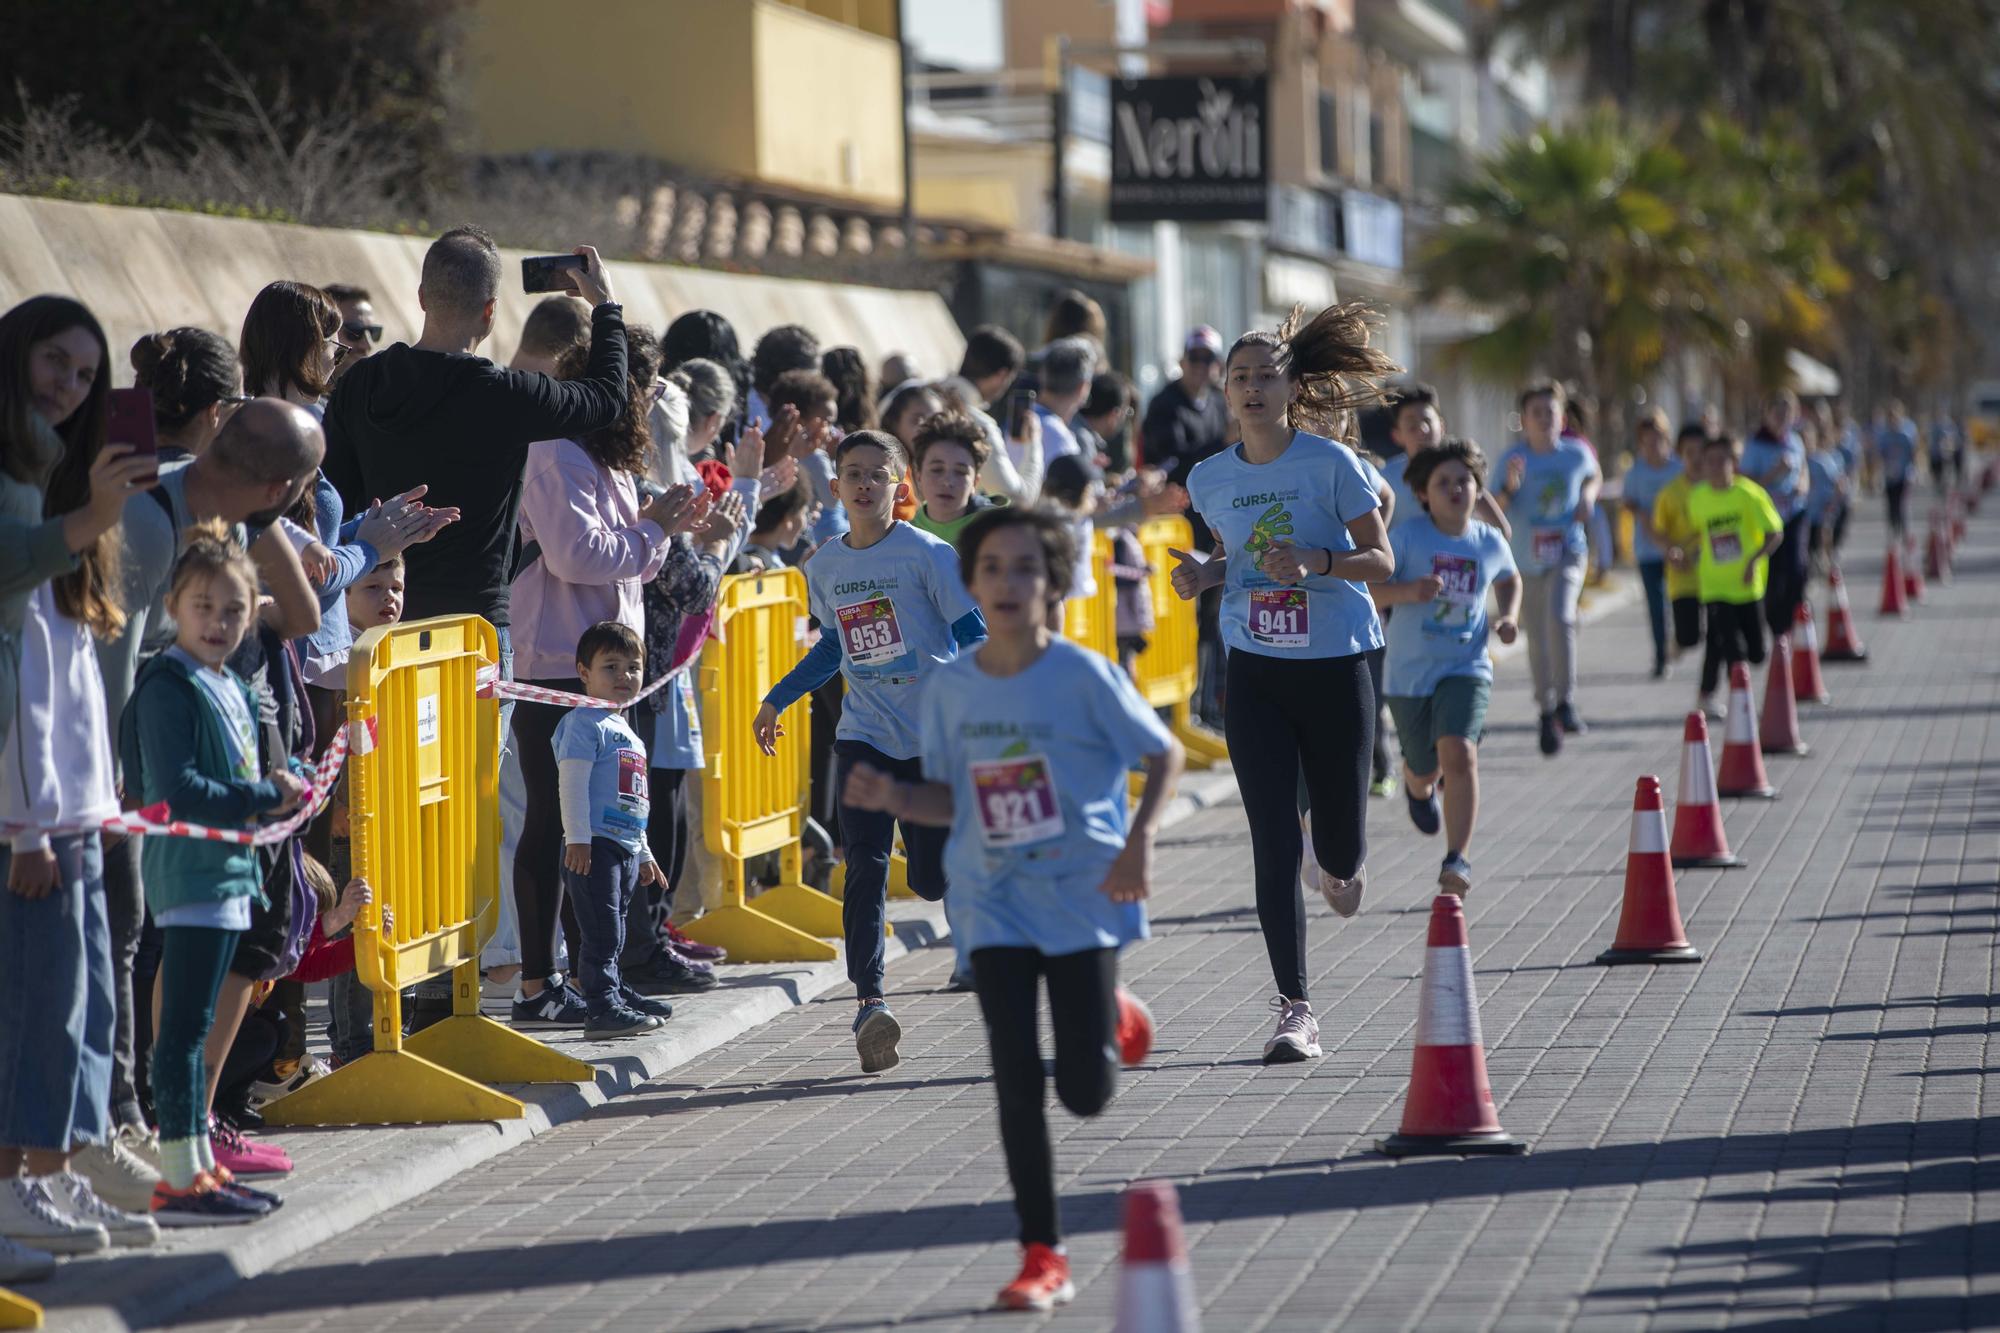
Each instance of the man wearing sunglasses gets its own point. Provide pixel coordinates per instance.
(360, 332)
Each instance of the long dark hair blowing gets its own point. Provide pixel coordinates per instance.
(86, 594)
(626, 445)
(1330, 363)
(283, 333)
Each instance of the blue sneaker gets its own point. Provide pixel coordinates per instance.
(645, 1004)
(1455, 876)
(876, 1033)
(556, 1007)
(1425, 812)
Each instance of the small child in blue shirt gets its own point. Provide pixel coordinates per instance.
(892, 610)
(1438, 677)
(1027, 741)
(601, 787)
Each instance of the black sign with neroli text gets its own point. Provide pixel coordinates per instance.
(1188, 150)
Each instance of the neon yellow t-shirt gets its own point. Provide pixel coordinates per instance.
(1670, 520)
(1731, 527)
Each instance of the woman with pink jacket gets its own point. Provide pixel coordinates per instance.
(588, 544)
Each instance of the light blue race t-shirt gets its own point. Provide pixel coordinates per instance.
(1407, 507)
(1897, 444)
(1643, 483)
(620, 800)
(1446, 637)
(890, 608)
(1785, 460)
(1546, 529)
(1824, 472)
(1306, 496)
(1036, 763)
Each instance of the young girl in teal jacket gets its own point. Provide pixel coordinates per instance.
(189, 738)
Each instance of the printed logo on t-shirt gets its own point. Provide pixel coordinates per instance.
(870, 632)
(1271, 527)
(1016, 798)
(1280, 617)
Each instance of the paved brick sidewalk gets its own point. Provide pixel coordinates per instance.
(1794, 1128)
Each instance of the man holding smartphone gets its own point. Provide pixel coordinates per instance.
(437, 413)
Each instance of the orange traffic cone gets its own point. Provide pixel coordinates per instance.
(1937, 555)
(1842, 643)
(1450, 1107)
(1156, 1288)
(1649, 924)
(1698, 836)
(1778, 727)
(1895, 588)
(1913, 573)
(1807, 682)
(1741, 772)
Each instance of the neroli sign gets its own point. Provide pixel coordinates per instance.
(1188, 150)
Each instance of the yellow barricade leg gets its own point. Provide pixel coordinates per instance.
(471, 1044)
(393, 1088)
(1204, 748)
(753, 936)
(799, 905)
(18, 1311)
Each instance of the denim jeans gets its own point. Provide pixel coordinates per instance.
(1653, 573)
(57, 994)
(871, 837)
(600, 899)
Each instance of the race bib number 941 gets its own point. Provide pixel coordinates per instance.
(1281, 617)
(870, 633)
(1017, 801)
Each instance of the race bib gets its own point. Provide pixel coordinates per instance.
(1280, 617)
(1550, 546)
(633, 803)
(1458, 577)
(1725, 547)
(1017, 801)
(870, 633)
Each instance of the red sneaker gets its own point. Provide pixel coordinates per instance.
(1135, 1028)
(707, 953)
(1044, 1282)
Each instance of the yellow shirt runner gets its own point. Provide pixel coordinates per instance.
(1731, 528)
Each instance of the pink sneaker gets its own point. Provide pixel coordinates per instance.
(243, 1157)
(693, 951)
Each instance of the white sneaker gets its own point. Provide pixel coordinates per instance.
(127, 1230)
(118, 1175)
(264, 1092)
(30, 1212)
(19, 1263)
(143, 1144)
(1343, 895)
(1297, 1037)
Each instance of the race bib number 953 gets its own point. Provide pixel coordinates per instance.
(870, 633)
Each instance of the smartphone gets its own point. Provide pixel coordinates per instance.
(132, 421)
(1018, 404)
(550, 273)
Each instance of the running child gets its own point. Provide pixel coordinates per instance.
(601, 787)
(189, 738)
(1298, 531)
(1639, 492)
(1439, 677)
(1027, 740)
(1736, 529)
(892, 609)
(1673, 531)
(1550, 490)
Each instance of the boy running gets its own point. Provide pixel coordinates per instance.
(1736, 529)
(892, 609)
(1439, 677)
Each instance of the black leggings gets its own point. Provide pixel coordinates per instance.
(1735, 634)
(1894, 491)
(1083, 1011)
(1687, 621)
(1786, 587)
(1283, 715)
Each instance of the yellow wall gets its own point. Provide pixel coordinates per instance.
(751, 88)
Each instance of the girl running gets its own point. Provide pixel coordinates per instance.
(1026, 742)
(1298, 530)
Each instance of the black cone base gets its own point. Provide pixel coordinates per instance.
(1843, 657)
(1709, 862)
(1801, 749)
(1754, 794)
(1450, 1145)
(1673, 953)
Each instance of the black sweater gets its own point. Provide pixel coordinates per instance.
(462, 425)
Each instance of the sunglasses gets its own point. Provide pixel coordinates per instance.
(372, 332)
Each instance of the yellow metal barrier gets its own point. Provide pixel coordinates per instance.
(1168, 669)
(753, 805)
(18, 1311)
(1093, 621)
(424, 816)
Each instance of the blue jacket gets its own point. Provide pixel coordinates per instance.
(173, 749)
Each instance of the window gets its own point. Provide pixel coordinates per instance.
(1329, 134)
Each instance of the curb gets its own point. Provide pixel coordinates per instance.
(342, 1184)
